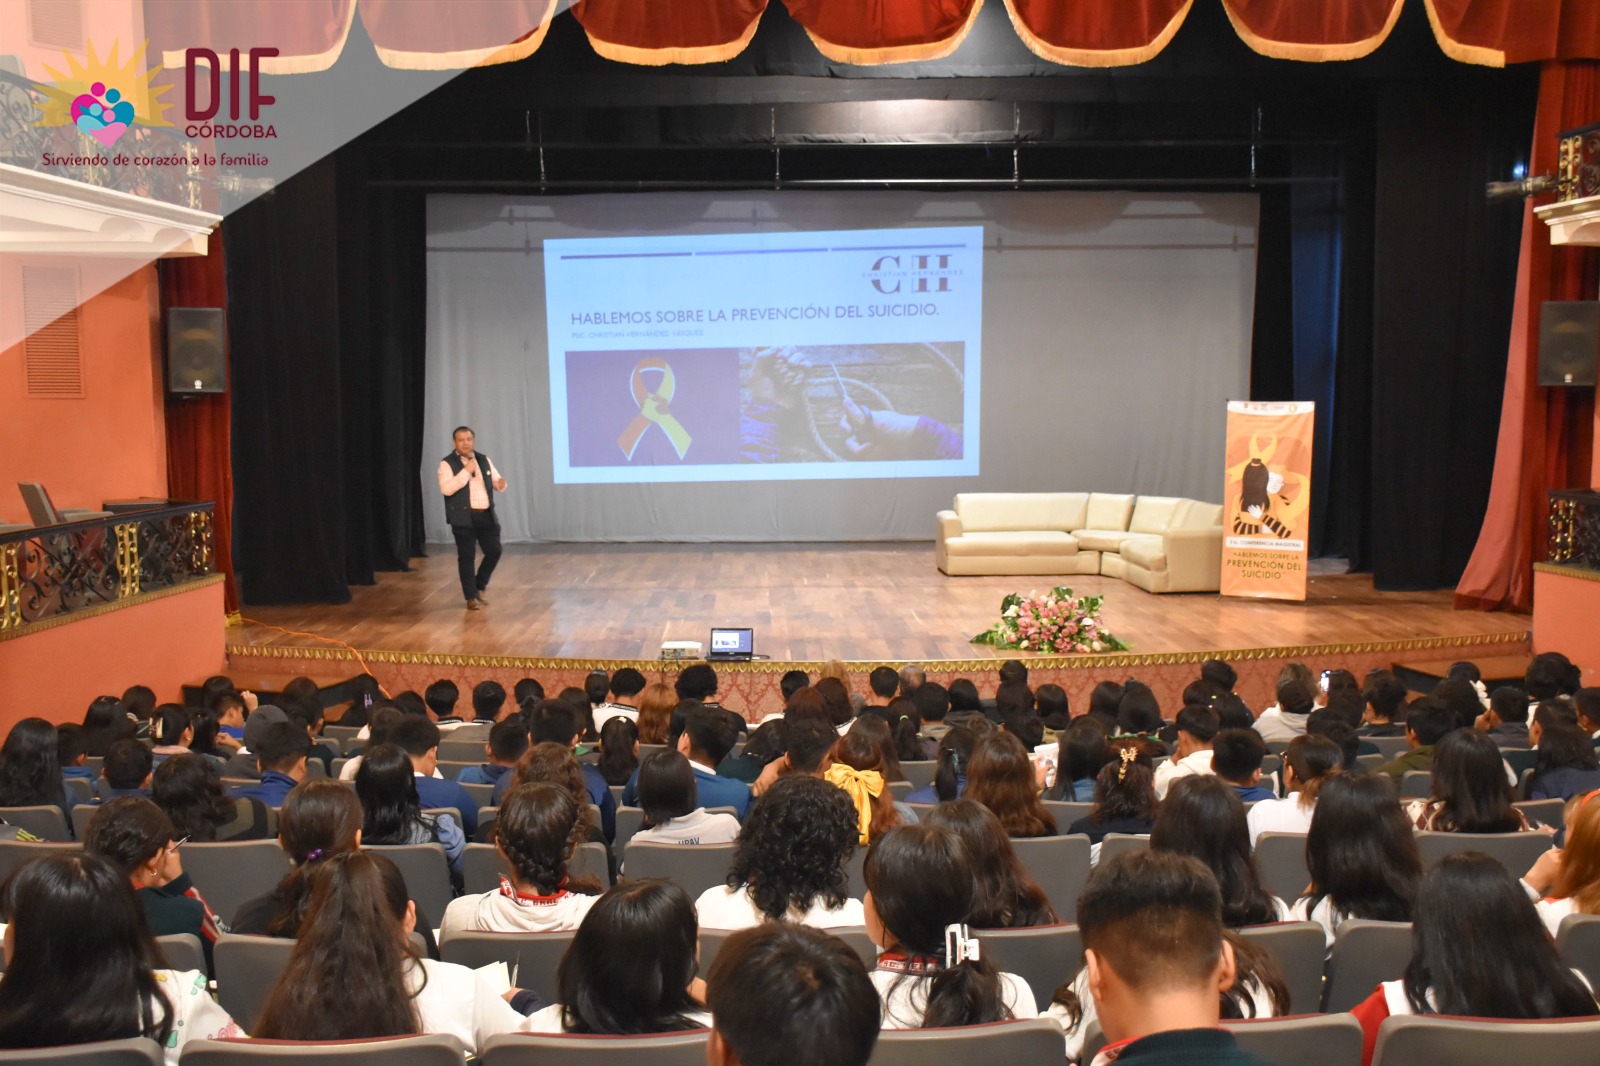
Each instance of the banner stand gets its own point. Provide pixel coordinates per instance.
(1267, 500)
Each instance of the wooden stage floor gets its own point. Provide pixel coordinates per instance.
(858, 602)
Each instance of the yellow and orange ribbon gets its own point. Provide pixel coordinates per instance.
(654, 408)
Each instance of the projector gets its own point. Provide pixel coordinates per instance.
(682, 649)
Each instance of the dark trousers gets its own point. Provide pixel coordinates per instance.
(483, 533)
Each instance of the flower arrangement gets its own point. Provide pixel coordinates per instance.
(1056, 622)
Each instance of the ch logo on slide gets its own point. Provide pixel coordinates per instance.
(920, 273)
(654, 408)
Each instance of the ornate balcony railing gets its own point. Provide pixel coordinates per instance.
(1575, 529)
(50, 571)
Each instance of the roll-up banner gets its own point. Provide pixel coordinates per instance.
(1267, 500)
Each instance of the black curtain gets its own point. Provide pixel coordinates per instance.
(1444, 268)
(325, 325)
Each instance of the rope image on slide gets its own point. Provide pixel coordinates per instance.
(791, 396)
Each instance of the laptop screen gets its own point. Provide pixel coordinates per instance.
(733, 641)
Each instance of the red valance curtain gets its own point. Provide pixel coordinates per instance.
(200, 428)
(441, 35)
(1546, 435)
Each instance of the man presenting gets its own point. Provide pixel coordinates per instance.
(469, 481)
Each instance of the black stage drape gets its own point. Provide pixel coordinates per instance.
(326, 299)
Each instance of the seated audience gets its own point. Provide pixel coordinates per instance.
(1506, 719)
(1001, 777)
(655, 712)
(1053, 708)
(1385, 711)
(126, 770)
(790, 862)
(883, 683)
(809, 738)
(631, 967)
(140, 703)
(1567, 880)
(1236, 757)
(619, 749)
(354, 975)
(1161, 968)
(30, 775)
(387, 788)
(1203, 817)
(307, 716)
(1470, 793)
(1104, 700)
(1586, 704)
(788, 995)
(1197, 731)
(419, 739)
(1565, 765)
(1362, 855)
(488, 704)
(189, 791)
(441, 698)
(1308, 761)
(320, 819)
(932, 702)
(81, 967)
(70, 756)
(950, 767)
(1124, 799)
(539, 827)
(1080, 752)
(244, 763)
(879, 732)
(920, 892)
(508, 740)
(380, 728)
(1286, 719)
(836, 698)
(133, 835)
(1138, 712)
(905, 726)
(1007, 897)
(104, 723)
(1327, 724)
(281, 751)
(1224, 677)
(672, 811)
(1478, 950)
(858, 769)
(208, 738)
(172, 731)
(1427, 722)
(557, 722)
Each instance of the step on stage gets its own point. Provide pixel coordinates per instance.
(558, 611)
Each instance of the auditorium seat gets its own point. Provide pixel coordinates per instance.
(426, 871)
(856, 870)
(1517, 852)
(1389, 747)
(431, 1050)
(135, 1051)
(920, 773)
(1551, 812)
(181, 951)
(13, 853)
(1066, 812)
(1028, 1042)
(531, 958)
(1299, 948)
(1115, 844)
(1042, 955)
(230, 872)
(45, 822)
(82, 814)
(695, 867)
(1060, 864)
(246, 968)
(1409, 1039)
(1416, 784)
(1579, 940)
(1302, 1040)
(711, 941)
(482, 866)
(468, 751)
(482, 795)
(1281, 858)
(453, 812)
(79, 790)
(582, 1049)
(629, 820)
(1365, 954)
(899, 790)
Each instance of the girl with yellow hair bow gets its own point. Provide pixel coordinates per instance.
(858, 768)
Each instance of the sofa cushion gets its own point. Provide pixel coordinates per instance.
(1200, 515)
(985, 512)
(1100, 540)
(1146, 552)
(1108, 511)
(1155, 514)
(1013, 542)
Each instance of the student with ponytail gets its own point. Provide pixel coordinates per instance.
(319, 819)
(921, 889)
(1308, 761)
(950, 767)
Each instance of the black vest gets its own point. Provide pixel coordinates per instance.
(458, 505)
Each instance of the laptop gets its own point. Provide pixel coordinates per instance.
(732, 645)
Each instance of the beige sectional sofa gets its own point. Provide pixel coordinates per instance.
(1159, 543)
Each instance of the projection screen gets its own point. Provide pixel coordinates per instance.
(805, 366)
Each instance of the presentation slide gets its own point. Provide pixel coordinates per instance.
(765, 356)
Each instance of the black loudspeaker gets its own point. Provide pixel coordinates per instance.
(197, 358)
(1569, 342)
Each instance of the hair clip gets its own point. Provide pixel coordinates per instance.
(959, 945)
(313, 855)
(1129, 754)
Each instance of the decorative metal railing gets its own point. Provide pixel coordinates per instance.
(1575, 529)
(49, 571)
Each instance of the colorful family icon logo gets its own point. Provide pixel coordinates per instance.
(102, 113)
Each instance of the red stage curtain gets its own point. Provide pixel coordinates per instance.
(655, 34)
(453, 36)
(1315, 31)
(1497, 32)
(885, 31)
(1545, 434)
(200, 428)
(308, 34)
(1097, 33)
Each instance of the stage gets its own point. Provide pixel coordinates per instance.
(558, 611)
